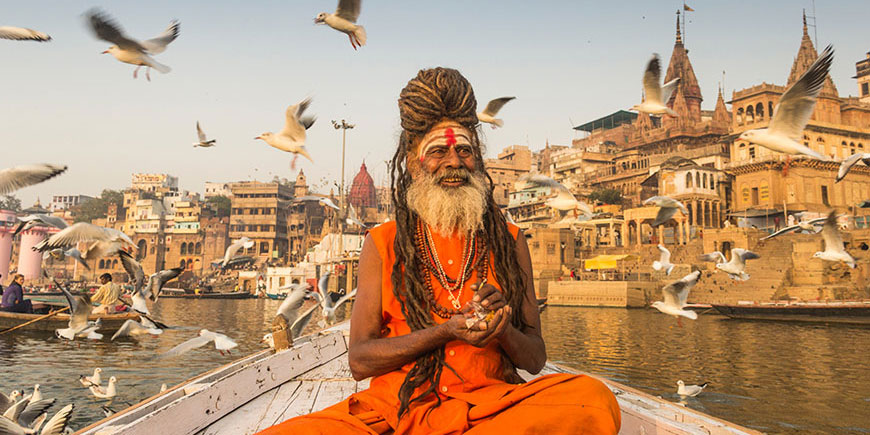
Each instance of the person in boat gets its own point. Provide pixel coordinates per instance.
(13, 297)
(106, 297)
(449, 244)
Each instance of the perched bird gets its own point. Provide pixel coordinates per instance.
(292, 138)
(326, 302)
(37, 395)
(146, 289)
(221, 343)
(79, 309)
(344, 20)
(129, 50)
(664, 262)
(234, 247)
(675, 295)
(689, 390)
(850, 161)
(92, 380)
(22, 34)
(352, 218)
(37, 220)
(667, 208)
(134, 328)
(7, 401)
(809, 225)
(564, 200)
(492, 108)
(56, 425)
(203, 140)
(59, 254)
(656, 97)
(12, 179)
(791, 114)
(105, 393)
(834, 248)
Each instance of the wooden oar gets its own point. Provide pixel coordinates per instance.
(30, 322)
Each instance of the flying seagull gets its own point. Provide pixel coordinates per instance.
(492, 108)
(353, 218)
(809, 225)
(221, 343)
(56, 425)
(143, 289)
(101, 241)
(668, 207)
(291, 305)
(59, 254)
(22, 34)
(292, 138)
(203, 140)
(234, 247)
(134, 328)
(129, 50)
(39, 219)
(675, 295)
(850, 161)
(736, 268)
(328, 306)
(344, 20)
(834, 248)
(78, 326)
(791, 114)
(656, 97)
(689, 390)
(564, 199)
(12, 179)
(664, 262)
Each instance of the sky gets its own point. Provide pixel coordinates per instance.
(236, 66)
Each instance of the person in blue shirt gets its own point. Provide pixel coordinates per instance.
(13, 297)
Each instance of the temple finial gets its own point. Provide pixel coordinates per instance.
(805, 21)
(679, 33)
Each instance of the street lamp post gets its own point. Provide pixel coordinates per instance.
(344, 126)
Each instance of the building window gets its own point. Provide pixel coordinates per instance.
(551, 249)
(751, 152)
(198, 249)
(770, 108)
(865, 89)
(739, 116)
(759, 111)
(704, 181)
(754, 196)
(825, 195)
(183, 249)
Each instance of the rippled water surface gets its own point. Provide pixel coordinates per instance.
(773, 377)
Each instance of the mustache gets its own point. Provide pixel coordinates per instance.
(462, 174)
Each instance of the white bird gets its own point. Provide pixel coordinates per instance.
(736, 268)
(129, 50)
(59, 254)
(791, 114)
(492, 108)
(667, 208)
(689, 390)
(22, 34)
(234, 247)
(26, 411)
(344, 20)
(675, 295)
(564, 200)
(12, 179)
(292, 138)
(143, 289)
(353, 218)
(37, 220)
(291, 305)
(162, 387)
(105, 393)
(834, 248)
(664, 262)
(809, 225)
(57, 425)
(221, 343)
(37, 395)
(203, 140)
(328, 306)
(327, 202)
(7, 401)
(850, 161)
(656, 97)
(92, 380)
(101, 241)
(134, 328)
(78, 326)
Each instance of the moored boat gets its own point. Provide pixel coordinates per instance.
(848, 312)
(110, 322)
(267, 388)
(230, 295)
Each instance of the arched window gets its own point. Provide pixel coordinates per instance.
(184, 249)
(770, 108)
(198, 249)
(739, 116)
(698, 179)
(688, 180)
(114, 264)
(264, 247)
(860, 147)
(182, 264)
(759, 111)
(704, 181)
(750, 115)
(102, 264)
(712, 182)
(852, 147)
(141, 249)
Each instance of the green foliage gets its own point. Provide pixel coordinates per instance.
(97, 207)
(606, 196)
(10, 202)
(220, 204)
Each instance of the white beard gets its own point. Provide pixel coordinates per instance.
(448, 210)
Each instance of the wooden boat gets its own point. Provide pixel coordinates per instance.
(857, 312)
(267, 388)
(110, 322)
(230, 295)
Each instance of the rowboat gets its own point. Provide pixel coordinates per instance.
(267, 388)
(848, 312)
(110, 322)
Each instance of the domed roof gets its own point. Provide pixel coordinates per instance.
(362, 191)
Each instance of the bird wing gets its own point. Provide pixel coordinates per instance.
(158, 43)
(127, 328)
(652, 79)
(222, 342)
(105, 28)
(193, 343)
(78, 232)
(292, 303)
(495, 105)
(664, 215)
(349, 9)
(200, 133)
(79, 308)
(5, 402)
(833, 240)
(678, 291)
(8, 426)
(16, 409)
(739, 257)
(302, 321)
(666, 255)
(33, 410)
(345, 298)
(328, 202)
(58, 423)
(15, 178)
(796, 105)
(22, 34)
(715, 257)
(292, 127)
(668, 89)
(133, 269)
(781, 231)
(322, 289)
(232, 249)
(539, 180)
(848, 162)
(119, 236)
(157, 280)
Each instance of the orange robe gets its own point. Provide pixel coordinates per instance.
(479, 402)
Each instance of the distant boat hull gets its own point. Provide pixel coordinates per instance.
(231, 295)
(857, 313)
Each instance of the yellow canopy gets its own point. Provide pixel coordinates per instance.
(607, 261)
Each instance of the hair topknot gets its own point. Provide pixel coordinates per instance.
(436, 94)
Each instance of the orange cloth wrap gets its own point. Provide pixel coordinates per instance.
(480, 402)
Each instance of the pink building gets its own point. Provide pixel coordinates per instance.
(30, 261)
(7, 227)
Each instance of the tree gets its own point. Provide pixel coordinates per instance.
(606, 196)
(98, 207)
(11, 203)
(220, 204)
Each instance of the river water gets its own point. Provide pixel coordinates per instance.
(774, 377)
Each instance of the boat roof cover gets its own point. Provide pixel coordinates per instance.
(607, 261)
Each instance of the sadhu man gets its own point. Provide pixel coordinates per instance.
(432, 371)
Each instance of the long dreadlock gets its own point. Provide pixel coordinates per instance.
(435, 95)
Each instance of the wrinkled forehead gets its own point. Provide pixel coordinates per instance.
(447, 133)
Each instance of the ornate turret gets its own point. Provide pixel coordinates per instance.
(807, 54)
(680, 106)
(362, 191)
(300, 187)
(681, 67)
(721, 115)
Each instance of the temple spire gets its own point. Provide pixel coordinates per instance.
(806, 55)
(680, 66)
(805, 24)
(679, 33)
